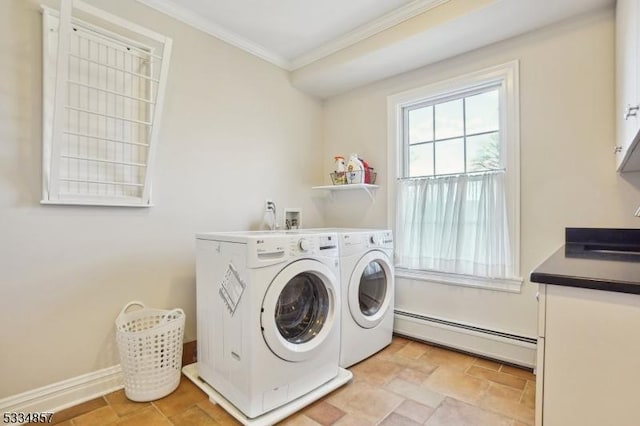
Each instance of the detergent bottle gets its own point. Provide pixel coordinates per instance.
(340, 177)
(355, 170)
(367, 171)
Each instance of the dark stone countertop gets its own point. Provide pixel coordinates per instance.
(599, 259)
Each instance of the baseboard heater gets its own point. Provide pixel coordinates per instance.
(507, 347)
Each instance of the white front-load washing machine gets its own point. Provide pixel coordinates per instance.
(268, 316)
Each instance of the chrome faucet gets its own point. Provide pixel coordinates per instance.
(271, 207)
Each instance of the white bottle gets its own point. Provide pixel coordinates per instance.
(355, 170)
(340, 177)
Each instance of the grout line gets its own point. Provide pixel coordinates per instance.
(521, 397)
(392, 409)
(470, 365)
(160, 412)
(477, 402)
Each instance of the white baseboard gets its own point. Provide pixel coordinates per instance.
(65, 394)
(500, 346)
(70, 392)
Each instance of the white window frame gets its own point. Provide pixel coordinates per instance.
(507, 77)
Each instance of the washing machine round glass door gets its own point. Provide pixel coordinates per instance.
(298, 310)
(370, 289)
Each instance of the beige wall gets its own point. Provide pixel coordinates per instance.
(234, 133)
(568, 173)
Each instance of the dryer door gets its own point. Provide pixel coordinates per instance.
(371, 289)
(299, 310)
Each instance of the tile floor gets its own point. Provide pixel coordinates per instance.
(408, 383)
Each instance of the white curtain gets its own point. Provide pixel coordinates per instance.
(456, 224)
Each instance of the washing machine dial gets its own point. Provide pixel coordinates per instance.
(304, 245)
(374, 239)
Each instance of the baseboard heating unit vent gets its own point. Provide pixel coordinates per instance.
(507, 347)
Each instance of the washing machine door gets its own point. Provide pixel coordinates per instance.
(299, 310)
(371, 289)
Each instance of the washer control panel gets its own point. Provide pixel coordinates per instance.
(304, 244)
(309, 244)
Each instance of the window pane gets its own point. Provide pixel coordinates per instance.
(449, 119)
(483, 152)
(421, 125)
(450, 157)
(483, 112)
(421, 160)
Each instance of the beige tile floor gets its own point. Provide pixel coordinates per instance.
(408, 383)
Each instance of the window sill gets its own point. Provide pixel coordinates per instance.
(508, 285)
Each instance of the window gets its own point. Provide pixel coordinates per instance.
(453, 136)
(454, 201)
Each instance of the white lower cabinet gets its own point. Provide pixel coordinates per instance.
(588, 370)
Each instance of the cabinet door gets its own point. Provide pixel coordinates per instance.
(591, 366)
(627, 99)
(539, 382)
(539, 371)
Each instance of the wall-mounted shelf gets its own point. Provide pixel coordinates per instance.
(368, 188)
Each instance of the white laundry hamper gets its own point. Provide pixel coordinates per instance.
(150, 346)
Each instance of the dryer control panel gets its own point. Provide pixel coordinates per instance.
(381, 239)
(353, 243)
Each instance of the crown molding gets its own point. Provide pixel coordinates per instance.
(365, 31)
(395, 17)
(181, 13)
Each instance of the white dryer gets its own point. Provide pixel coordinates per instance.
(368, 286)
(268, 316)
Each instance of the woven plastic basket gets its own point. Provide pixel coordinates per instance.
(150, 346)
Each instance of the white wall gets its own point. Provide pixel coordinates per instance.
(234, 133)
(567, 162)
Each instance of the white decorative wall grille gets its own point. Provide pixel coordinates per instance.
(103, 89)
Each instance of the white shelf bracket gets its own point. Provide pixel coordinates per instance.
(370, 194)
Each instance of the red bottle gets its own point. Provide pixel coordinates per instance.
(367, 172)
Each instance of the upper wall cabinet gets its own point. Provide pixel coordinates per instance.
(628, 85)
